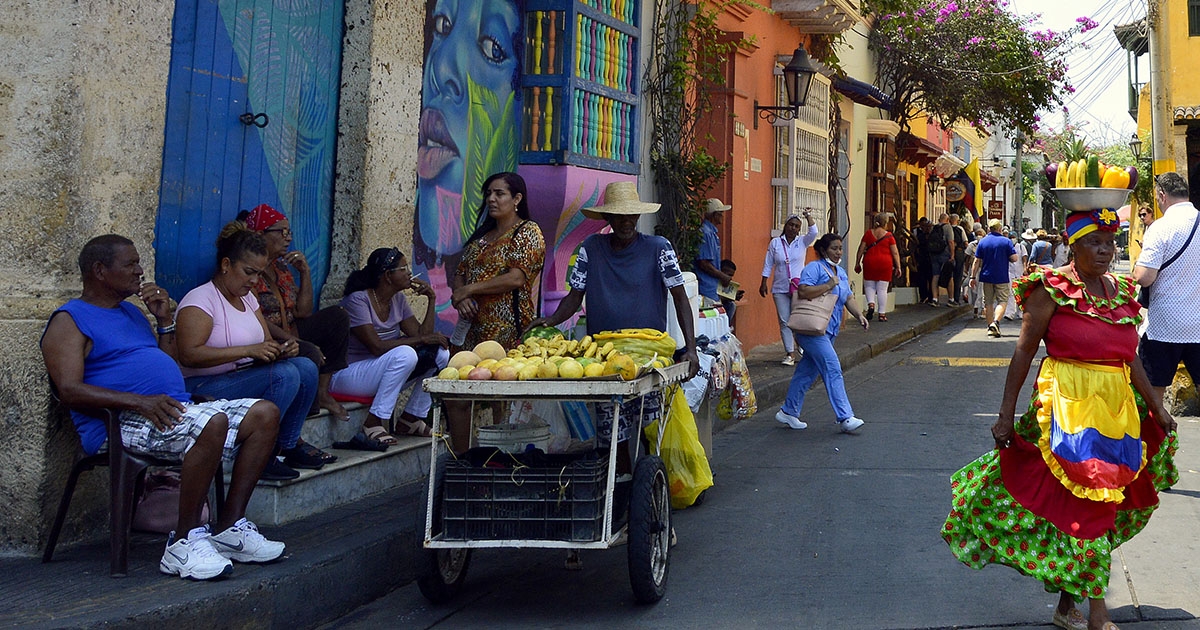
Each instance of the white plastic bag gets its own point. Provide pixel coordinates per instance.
(694, 389)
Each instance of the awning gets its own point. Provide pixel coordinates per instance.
(918, 150)
(1133, 37)
(862, 93)
(987, 181)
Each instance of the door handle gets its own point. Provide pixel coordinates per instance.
(259, 120)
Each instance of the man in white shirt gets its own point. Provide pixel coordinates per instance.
(1170, 265)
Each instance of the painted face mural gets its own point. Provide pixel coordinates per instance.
(468, 126)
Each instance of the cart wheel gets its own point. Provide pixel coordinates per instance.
(649, 530)
(441, 572)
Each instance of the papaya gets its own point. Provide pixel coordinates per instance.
(1092, 176)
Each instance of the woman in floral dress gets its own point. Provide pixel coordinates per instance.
(1079, 472)
(494, 285)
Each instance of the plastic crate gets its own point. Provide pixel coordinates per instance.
(553, 502)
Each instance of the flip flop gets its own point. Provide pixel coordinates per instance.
(360, 442)
(1073, 620)
(328, 458)
(882, 317)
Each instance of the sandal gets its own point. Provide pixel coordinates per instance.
(360, 442)
(416, 428)
(313, 451)
(870, 312)
(380, 435)
(1073, 620)
(882, 317)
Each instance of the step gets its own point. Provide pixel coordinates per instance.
(322, 430)
(356, 474)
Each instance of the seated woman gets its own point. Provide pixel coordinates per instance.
(226, 351)
(288, 305)
(389, 348)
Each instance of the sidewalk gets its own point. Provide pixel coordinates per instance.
(336, 561)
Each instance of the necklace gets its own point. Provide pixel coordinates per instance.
(382, 312)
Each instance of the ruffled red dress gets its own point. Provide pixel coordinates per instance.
(1087, 461)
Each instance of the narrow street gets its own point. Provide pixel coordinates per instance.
(815, 529)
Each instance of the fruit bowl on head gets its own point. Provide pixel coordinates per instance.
(1076, 199)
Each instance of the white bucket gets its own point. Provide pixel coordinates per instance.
(515, 438)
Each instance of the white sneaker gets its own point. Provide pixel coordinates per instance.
(194, 557)
(849, 424)
(243, 543)
(790, 420)
(788, 361)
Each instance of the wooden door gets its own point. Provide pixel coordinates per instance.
(278, 63)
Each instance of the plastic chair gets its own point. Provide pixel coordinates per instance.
(126, 472)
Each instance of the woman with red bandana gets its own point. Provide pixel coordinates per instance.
(288, 306)
(1079, 472)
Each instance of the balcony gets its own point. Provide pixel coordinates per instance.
(818, 16)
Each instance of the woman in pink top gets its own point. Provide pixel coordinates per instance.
(226, 351)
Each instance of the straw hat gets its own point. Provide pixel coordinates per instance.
(715, 205)
(620, 198)
(1029, 234)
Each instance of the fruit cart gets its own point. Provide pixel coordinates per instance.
(568, 507)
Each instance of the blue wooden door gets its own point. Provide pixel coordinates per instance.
(280, 63)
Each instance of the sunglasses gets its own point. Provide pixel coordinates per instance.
(285, 232)
(1143, 214)
(390, 261)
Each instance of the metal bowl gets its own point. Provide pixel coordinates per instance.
(1076, 199)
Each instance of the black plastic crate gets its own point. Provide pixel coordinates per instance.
(557, 499)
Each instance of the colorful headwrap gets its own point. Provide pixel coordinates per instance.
(263, 217)
(1082, 223)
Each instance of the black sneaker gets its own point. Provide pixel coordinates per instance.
(300, 457)
(278, 471)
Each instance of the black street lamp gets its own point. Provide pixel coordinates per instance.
(1135, 147)
(797, 78)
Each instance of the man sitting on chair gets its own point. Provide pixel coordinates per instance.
(101, 353)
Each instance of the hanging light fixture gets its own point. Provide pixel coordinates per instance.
(797, 79)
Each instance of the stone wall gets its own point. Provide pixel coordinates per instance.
(82, 100)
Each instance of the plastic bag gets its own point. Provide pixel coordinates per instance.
(688, 472)
(694, 388)
(743, 403)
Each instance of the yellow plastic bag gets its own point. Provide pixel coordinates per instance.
(687, 466)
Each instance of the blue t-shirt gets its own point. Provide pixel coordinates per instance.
(627, 288)
(125, 357)
(1040, 254)
(710, 250)
(993, 252)
(817, 272)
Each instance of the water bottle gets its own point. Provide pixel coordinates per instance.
(459, 336)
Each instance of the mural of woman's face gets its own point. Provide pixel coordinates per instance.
(473, 41)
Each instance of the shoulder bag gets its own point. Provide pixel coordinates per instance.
(811, 316)
(1143, 297)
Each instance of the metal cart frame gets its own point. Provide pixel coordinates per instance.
(448, 559)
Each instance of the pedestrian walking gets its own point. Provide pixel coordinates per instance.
(993, 258)
(1169, 267)
(878, 259)
(959, 260)
(974, 292)
(784, 260)
(1016, 269)
(818, 278)
(1079, 472)
(940, 242)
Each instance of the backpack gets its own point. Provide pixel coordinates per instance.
(960, 238)
(937, 239)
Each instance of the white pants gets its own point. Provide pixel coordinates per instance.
(876, 291)
(384, 377)
(783, 308)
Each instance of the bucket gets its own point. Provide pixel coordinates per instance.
(515, 438)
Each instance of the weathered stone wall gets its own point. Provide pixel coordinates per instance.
(82, 100)
(378, 121)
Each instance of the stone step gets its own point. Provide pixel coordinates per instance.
(322, 430)
(356, 474)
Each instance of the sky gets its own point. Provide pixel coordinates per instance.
(1097, 70)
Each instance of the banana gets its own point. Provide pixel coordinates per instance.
(587, 339)
(590, 352)
(572, 345)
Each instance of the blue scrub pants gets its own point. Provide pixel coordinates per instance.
(819, 360)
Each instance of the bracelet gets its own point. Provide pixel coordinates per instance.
(166, 330)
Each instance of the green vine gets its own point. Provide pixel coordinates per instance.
(690, 53)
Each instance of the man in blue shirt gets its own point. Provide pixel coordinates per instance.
(708, 259)
(100, 353)
(992, 256)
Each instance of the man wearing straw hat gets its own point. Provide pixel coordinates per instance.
(618, 272)
(708, 260)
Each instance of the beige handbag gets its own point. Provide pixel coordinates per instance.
(811, 317)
